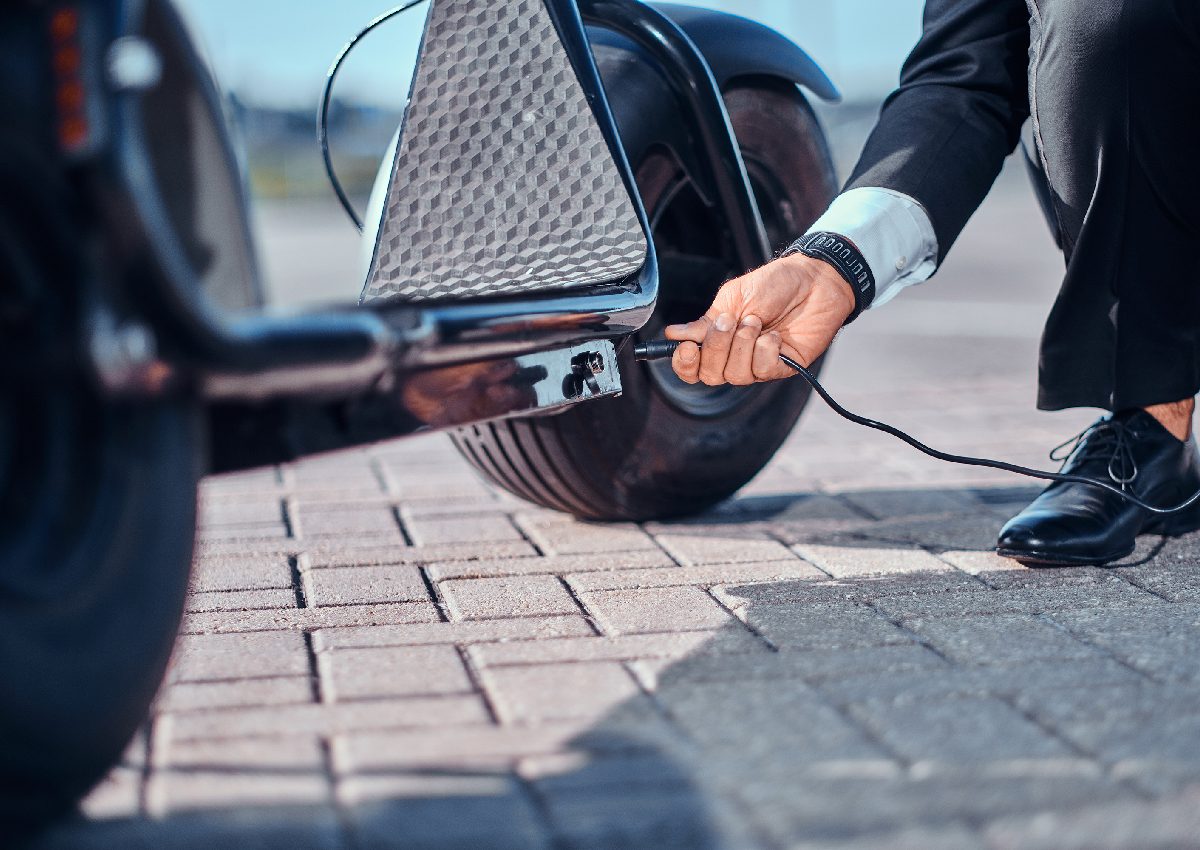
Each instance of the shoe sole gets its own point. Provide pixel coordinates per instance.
(1054, 559)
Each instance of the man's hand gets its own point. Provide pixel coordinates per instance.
(794, 306)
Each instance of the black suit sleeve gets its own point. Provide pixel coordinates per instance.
(944, 133)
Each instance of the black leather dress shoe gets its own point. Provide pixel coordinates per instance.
(1077, 524)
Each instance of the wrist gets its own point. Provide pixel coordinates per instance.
(846, 261)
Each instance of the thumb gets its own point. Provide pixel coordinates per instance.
(695, 331)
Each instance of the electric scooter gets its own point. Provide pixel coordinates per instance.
(572, 175)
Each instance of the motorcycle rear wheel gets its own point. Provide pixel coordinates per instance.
(666, 449)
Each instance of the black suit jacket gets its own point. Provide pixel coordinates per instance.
(944, 133)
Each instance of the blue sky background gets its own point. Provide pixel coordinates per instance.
(277, 51)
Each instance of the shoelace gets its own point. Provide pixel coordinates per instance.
(1105, 437)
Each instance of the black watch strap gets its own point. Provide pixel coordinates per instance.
(844, 256)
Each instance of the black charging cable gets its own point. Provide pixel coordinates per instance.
(664, 349)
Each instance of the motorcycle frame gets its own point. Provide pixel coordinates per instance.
(282, 388)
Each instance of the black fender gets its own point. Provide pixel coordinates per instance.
(739, 47)
(647, 111)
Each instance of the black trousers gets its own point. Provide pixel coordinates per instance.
(1115, 102)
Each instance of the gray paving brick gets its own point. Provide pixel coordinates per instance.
(119, 795)
(553, 565)
(1034, 600)
(657, 610)
(197, 696)
(843, 591)
(972, 732)
(219, 574)
(349, 674)
(556, 534)
(459, 818)
(549, 692)
(238, 656)
(806, 626)
(485, 528)
(364, 585)
(310, 618)
(470, 746)
(772, 666)
(669, 576)
(846, 562)
(1168, 823)
(1175, 582)
(338, 554)
(396, 715)
(1000, 639)
(951, 680)
(469, 632)
(622, 648)
(523, 596)
(242, 600)
(704, 549)
(672, 819)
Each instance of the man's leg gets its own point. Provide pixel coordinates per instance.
(1115, 99)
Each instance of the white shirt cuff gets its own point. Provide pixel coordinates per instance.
(892, 231)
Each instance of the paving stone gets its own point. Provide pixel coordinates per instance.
(806, 626)
(669, 576)
(448, 820)
(658, 610)
(330, 555)
(240, 574)
(239, 656)
(558, 535)
(772, 666)
(908, 503)
(470, 746)
(951, 680)
(377, 523)
(1176, 583)
(1121, 825)
(558, 691)
(469, 632)
(703, 550)
(1035, 600)
(620, 648)
(364, 585)
(273, 531)
(845, 562)
(485, 528)
(212, 510)
(197, 696)
(1005, 573)
(1162, 644)
(1000, 639)
(349, 674)
(972, 732)
(448, 712)
(843, 591)
(553, 565)
(310, 618)
(205, 774)
(950, 837)
(786, 726)
(597, 773)
(666, 818)
(241, 600)
(523, 596)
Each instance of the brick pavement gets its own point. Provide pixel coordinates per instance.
(381, 651)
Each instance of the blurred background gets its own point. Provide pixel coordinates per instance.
(271, 57)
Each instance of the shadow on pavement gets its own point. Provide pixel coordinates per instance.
(927, 707)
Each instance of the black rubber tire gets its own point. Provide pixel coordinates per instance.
(651, 454)
(97, 523)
